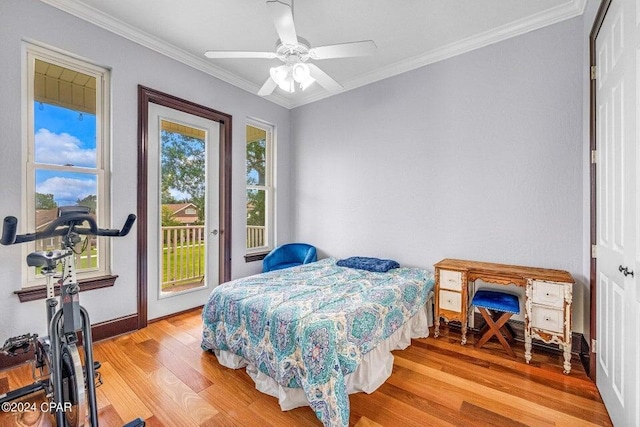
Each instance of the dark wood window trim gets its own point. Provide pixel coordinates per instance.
(146, 96)
(40, 292)
(255, 257)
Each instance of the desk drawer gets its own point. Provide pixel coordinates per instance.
(548, 319)
(451, 280)
(451, 301)
(551, 294)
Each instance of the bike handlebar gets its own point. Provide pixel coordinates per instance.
(9, 230)
(69, 222)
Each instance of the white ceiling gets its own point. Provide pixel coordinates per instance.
(408, 33)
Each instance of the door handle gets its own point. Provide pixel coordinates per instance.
(625, 271)
(214, 232)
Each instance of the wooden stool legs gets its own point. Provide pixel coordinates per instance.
(495, 326)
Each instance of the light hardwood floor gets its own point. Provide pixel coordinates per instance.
(161, 374)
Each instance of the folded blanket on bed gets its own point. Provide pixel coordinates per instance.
(370, 264)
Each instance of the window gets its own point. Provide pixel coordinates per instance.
(67, 151)
(260, 209)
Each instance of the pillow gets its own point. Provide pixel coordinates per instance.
(370, 264)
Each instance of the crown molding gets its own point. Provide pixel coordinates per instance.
(513, 29)
(149, 41)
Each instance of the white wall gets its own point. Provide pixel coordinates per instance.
(131, 65)
(477, 157)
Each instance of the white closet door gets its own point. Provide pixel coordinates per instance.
(618, 302)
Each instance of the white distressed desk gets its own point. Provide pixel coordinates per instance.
(548, 295)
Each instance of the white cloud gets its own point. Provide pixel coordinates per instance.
(62, 149)
(67, 190)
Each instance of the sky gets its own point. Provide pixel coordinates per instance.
(62, 138)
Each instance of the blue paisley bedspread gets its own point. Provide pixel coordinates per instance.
(309, 326)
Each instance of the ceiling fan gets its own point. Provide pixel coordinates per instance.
(294, 52)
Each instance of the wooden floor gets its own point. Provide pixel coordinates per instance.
(161, 374)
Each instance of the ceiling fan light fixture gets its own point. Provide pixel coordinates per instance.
(279, 74)
(300, 72)
(288, 84)
(307, 82)
(284, 77)
(294, 51)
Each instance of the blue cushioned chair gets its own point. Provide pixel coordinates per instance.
(491, 304)
(289, 255)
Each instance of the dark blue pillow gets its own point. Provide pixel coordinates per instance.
(370, 264)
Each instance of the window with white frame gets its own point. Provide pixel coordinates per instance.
(67, 150)
(260, 205)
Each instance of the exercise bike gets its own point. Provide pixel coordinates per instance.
(68, 380)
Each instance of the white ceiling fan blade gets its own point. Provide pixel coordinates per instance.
(215, 54)
(283, 20)
(268, 87)
(343, 50)
(323, 79)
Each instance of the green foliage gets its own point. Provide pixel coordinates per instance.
(167, 198)
(256, 171)
(256, 207)
(256, 162)
(45, 201)
(90, 201)
(168, 218)
(183, 168)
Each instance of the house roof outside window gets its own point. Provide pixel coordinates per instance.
(186, 213)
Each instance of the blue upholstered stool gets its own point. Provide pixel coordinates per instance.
(491, 304)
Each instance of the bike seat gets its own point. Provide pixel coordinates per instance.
(45, 259)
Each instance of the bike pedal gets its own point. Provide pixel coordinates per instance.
(18, 345)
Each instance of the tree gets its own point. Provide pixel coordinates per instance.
(45, 201)
(168, 219)
(90, 201)
(256, 162)
(183, 167)
(166, 196)
(256, 169)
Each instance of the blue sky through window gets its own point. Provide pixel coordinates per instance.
(64, 137)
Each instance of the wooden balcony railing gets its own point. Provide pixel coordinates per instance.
(255, 236)
(183, 254)
(183, 262)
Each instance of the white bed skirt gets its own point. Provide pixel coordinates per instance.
(373, 371)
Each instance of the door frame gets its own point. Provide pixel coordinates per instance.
(145, 96)
(595, 29)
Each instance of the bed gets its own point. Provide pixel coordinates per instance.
(313, 334)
